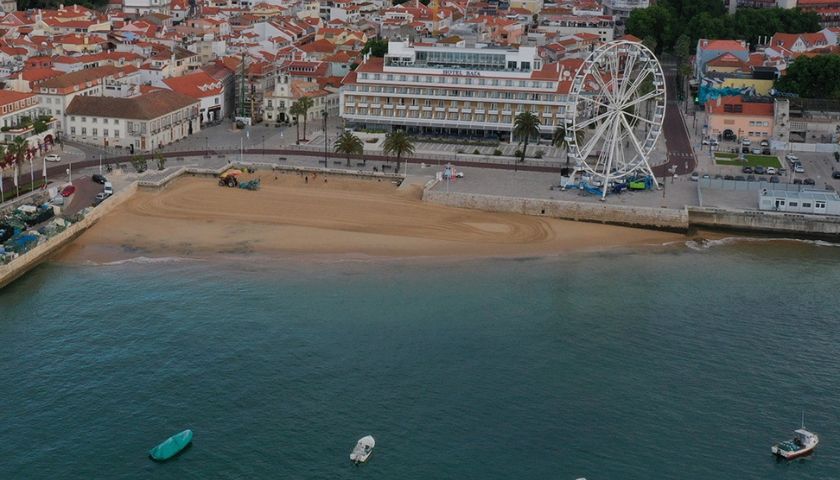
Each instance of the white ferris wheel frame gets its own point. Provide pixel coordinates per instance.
(613, 123)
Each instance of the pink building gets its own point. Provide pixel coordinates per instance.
(750, 118)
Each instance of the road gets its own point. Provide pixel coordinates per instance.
(680, 155)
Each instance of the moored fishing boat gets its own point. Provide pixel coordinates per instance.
(171, 446)
(802, 443)
(363, 449)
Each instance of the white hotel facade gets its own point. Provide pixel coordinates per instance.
(455, 91)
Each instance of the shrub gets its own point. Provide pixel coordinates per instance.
(476, 152)
(460, 150)
(40, 126)
(517, 153)
(5, 129)
(497, 152)
(538, 154)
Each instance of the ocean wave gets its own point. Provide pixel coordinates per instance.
(704, 244)
(145, 261)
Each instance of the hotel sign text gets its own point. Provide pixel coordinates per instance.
(462, 73)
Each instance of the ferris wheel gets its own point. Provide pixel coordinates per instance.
(615, 113)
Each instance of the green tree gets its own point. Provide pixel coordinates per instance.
(161, 161)
(654, 24)
(398, 144)
(559, 140)
(18, 148)
(526, 126)
(305, 103)
(294, 112)
(812, 77)
(377, 47)
(349, 144)
(682, 48)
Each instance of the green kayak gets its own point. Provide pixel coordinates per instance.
(171, 446)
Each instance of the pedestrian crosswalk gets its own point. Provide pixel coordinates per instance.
(681, 154)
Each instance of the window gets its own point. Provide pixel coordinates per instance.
(72, 130)
(84, 131)
(72, 119)
(104, 132)
(95, 132)
(116, 133)
(819, 204)
(84, 119)
(806, 205)
(793, 204)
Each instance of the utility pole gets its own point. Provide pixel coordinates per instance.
(325, 138)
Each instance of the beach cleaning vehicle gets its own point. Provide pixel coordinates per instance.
(229, 178)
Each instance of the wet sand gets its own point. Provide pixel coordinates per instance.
(195, 217)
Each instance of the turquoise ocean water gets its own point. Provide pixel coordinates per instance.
(677, 363)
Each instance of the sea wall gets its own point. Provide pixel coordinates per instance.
(34, 257)
(794, 224)
(645, 217)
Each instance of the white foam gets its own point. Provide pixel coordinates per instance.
(146, 261)
(703, 244)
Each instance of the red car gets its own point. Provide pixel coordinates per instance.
(68, 190)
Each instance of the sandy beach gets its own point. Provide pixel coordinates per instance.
(195, 217)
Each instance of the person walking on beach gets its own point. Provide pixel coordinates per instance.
(306, 179)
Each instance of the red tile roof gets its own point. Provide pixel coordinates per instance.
(197, 85)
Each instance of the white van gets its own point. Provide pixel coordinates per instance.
(108, 189)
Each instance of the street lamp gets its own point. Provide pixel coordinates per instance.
(263, 145)
(206, 146)
(324, 112)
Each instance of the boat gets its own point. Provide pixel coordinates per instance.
(171, 446)
(364, 447)
(802, 443)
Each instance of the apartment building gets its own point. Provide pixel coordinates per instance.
(453, 90)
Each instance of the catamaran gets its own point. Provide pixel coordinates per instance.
(364, 447)
(802, 443)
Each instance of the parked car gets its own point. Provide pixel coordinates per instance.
(706, 175)
(771, 170)
(835, 174)
(694, 176)
(781, 171)
(109, 189)
(756, 151)
(746, 142)
(747, 169)
(100, 197)
(745, 149)
(774, 179)
(728, 177)
(718, 177)
(798, 168)
(97, 178)
(707, 141)
(809, 181)
(53, 158)
(57, 200)
(740, 178)
(68, 190)
(766, 151)
(760, 170)
(765, 143)
(750, 178)
(762, 179)
(459, 174)
(797, 181)
(791, 158)
(715, 142)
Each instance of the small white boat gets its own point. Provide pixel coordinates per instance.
(802, 443)
(364, 447)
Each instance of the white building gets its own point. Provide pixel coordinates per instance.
(805, 201)
(142, 7)
(453, 90)
(139, 123)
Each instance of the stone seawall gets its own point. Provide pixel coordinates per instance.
(793, 224)
(644, 217)
(32, 258)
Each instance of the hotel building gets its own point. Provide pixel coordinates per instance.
(454, 90)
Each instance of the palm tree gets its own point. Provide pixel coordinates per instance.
(525, 126)
(559, 140)
(349, 144)
(398, 144)
(18, 148)
(305, 104)
(294, 112)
